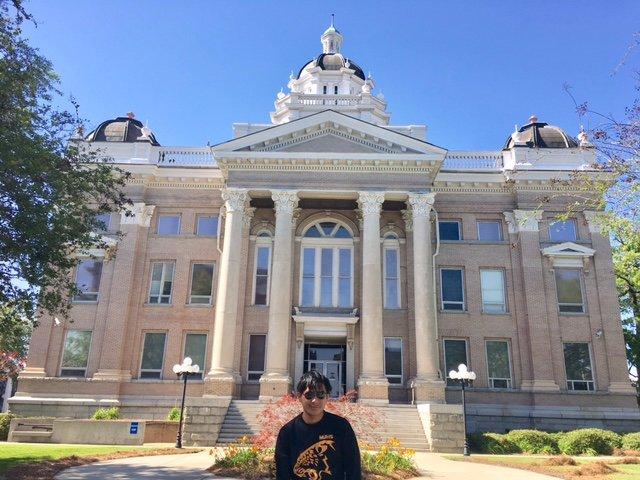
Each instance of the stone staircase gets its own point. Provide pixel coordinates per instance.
(400, 421)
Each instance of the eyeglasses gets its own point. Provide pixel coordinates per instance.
(312, 393)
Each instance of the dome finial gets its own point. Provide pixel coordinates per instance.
(333, 15)
(533, 118)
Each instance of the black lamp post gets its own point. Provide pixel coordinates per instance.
(184, 370)
(465, 377)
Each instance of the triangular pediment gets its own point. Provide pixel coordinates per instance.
(568, 249)
(329, 132)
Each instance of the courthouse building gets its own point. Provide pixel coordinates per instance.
(330, 239)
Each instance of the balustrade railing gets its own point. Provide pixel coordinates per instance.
(186, 157)
(472, 161)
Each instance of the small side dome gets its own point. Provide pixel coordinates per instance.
(122, 129)
(541, 135)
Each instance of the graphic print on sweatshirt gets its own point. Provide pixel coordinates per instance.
(312, 463)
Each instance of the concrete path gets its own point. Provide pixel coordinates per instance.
(192, 466)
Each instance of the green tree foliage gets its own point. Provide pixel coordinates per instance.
(50, 190)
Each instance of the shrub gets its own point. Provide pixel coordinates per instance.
(631, 441)
(391, 460)
(174, 415)
(589, 441)
(533, 441)
(494, 443)
(244, 460)
(112, 413)
(5, 421)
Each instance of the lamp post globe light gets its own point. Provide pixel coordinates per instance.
(465, 377)
(183, 370)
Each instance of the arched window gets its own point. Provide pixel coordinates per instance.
(326, 270)
(391, 270)
(262, 269)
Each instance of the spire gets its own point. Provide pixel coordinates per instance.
(331, 39)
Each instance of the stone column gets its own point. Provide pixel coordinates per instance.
(372, 384)
(110, 335)
(525, 222)
(276, 381)
(221, 380)
(428, 386)
(611, 337)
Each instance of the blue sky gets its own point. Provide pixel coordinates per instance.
(470, 70)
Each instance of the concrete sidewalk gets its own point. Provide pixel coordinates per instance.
(192, 466)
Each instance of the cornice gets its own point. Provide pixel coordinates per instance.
(183, 182)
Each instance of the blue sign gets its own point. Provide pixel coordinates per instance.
(133, 428)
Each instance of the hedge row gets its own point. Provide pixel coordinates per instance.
(586, 441)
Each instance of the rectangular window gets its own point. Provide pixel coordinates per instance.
(492, 285)
(569, 288)
(195, 347)
(449, 230)
(169, 225)
(563, 231)
(88, 273)
(577, 364)
(498, 364)
(489, 230)
(393, 360)
(452, 289)
(326, 277)
(201, 283)
(257, 345)
(104, 222)
(263, 262)
(152, 355)
(455, 353)
(308, 277)
(161, 282)
(75, 354)
(207, 226)
(391, 278)
(344, 278)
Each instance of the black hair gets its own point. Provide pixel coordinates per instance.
(313, 381)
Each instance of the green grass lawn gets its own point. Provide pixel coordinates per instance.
(12, 454)
(625, 472)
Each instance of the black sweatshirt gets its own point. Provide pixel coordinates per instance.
(326, 450)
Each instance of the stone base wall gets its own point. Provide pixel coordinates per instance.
(443, 427)
(204, 418)
(500, 419)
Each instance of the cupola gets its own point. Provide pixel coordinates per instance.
(537, 134)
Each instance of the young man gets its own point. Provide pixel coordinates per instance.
(316, 445)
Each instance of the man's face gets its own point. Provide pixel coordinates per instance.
(311, 402)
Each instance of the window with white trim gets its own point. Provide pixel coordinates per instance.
(88, 273)
(168, 225)
(207, 226)
(326, 278)
(489, 230)
(393, 360)
(104, 222)
(262, 270)
(455, 353)
(75, 353)
(563, 231)
(577, 365)
(153, 355)
(498, 363)
(257, 349)
(195, 347)
(493, 291)
(201, 284)
(452, 289)
(569, 290)
(391, 271)
(161, 282)
(449, 230)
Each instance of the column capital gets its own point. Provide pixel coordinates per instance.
(235, 199)
(137, 214)
(523, 220)
(370, 202)
(248, 215)
(421, 203)
(285, 201)
(408, 220)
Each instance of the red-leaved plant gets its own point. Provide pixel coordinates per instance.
(362, 418)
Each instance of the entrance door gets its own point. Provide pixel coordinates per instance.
(330, 360)
(333, 371)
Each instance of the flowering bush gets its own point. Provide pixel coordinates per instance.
(391, 460)
(246, 460)
(363, 419)
(11, 363)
